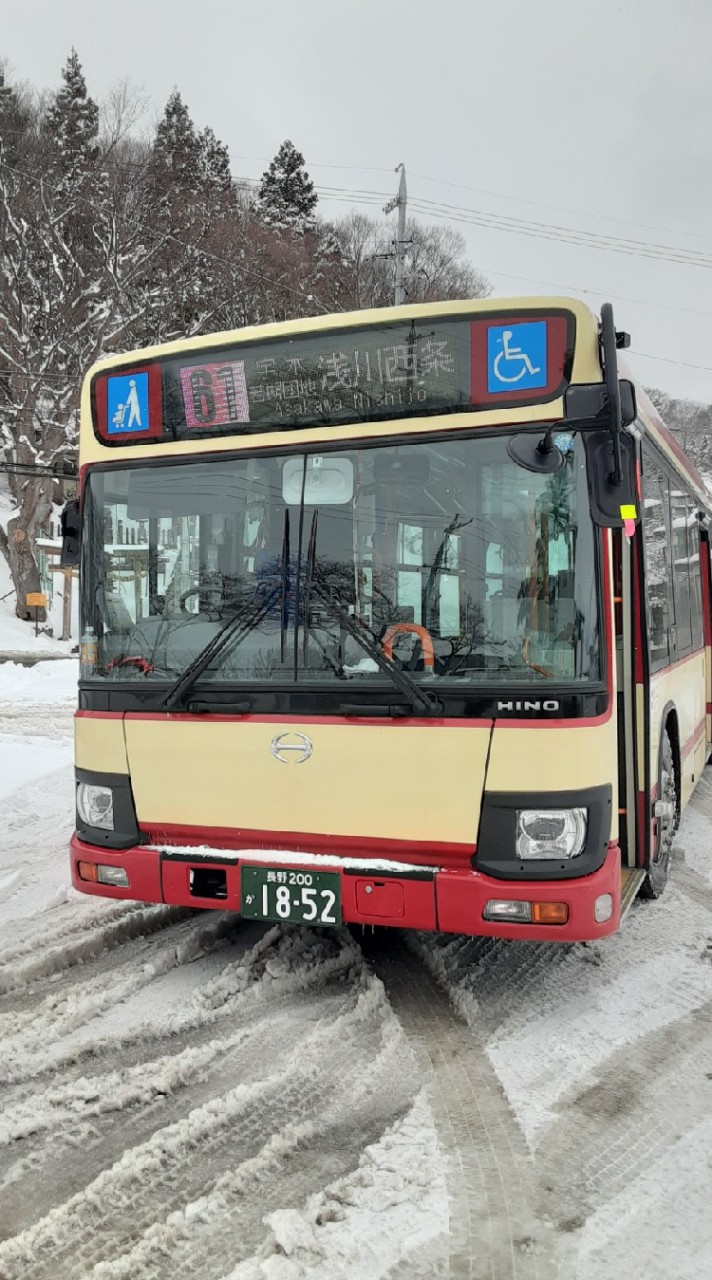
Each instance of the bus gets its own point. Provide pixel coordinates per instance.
(398, 617)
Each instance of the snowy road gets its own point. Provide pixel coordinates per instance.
(186, 1095)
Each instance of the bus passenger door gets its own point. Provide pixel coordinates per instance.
(705, 569)
(625, 551)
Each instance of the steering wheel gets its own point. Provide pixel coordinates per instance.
(424, 636)
(129, 660)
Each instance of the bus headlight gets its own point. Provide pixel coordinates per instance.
(551, 833)
(95, 805)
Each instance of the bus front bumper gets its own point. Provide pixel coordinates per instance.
(452, 901)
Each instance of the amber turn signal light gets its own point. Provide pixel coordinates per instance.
(87, 871)
(549, 912)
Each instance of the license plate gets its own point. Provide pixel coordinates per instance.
(298, 897)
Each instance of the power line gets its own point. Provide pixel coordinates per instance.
(520, 226)
(461, 186)
(555, 208)
(595, 293)
(497, 195)
(33, 469)
(685, 364)
(30, 373)
(449, 212)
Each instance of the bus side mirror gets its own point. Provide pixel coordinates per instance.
(613, 506)
(584, 403)
(69, 556)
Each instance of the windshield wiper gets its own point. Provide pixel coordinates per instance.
(421, 702)
(235, 628)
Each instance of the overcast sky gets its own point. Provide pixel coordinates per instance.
(591, 117)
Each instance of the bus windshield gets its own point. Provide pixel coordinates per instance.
(457, 563)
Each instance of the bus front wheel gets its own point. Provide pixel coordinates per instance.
(666, 815)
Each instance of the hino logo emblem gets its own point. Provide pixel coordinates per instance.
(291, 748)
(549, 704)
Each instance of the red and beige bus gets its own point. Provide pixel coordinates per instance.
(398, 617)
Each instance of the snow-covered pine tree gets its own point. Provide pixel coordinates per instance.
(177, 152)
(192, 202)
(286, 198)
(16, 120)
(71, 126)
(214, 163)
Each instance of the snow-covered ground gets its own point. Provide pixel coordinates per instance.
(184, 1094)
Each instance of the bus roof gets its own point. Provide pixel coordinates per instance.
(587, 324)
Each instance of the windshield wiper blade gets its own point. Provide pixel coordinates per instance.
(235, 628)
(420, 701)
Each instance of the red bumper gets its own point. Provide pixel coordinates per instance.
(450, 900)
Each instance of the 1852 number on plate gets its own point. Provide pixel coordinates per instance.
(299, 897)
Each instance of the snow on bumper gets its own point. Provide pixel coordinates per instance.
(378, 893)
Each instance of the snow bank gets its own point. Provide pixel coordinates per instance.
(44, 682)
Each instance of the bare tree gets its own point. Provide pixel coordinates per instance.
(436, 266)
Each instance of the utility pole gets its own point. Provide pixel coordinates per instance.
(399, 202)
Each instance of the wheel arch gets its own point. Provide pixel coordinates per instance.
(670, 724)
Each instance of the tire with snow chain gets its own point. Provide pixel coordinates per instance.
(667, 818)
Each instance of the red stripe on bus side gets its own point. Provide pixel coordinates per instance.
(693, 739)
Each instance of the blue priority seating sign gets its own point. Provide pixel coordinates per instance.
(127, 404)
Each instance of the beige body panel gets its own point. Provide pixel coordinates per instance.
(99, 744)
(683, 685)
(393, 781)
(555, 759)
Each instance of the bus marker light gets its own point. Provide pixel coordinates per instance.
(87, 871)
(603, 908)
(510, 909)
(550, 912)
(112, 875)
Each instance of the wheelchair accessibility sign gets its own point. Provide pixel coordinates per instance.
(516, 357)
(127, 408)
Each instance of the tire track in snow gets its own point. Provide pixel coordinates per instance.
(253, 991)
(92, 944)
(631, 1111)
(625, 1123)
(61, 928)
(495, 1229)
(25, 1052)
(329, 1090)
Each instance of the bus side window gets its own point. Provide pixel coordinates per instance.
(656, 535)
(693, 541)
(681, 569)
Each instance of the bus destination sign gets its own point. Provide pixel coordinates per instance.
(418, 368)
(339, 378)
